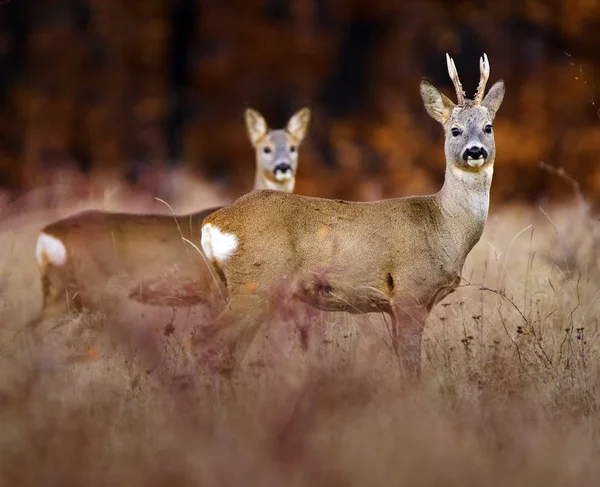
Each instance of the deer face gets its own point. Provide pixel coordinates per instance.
(277, 155)
(470, 137)
(467, 125)
(277, 150)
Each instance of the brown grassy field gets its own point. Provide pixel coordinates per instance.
(509, 393)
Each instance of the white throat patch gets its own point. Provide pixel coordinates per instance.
(478, 199)
(217, 245)
(475, 162)
(288, 186)
(466, 176)
(284, 175)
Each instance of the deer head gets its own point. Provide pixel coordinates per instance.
(276, 150)
(467, 124)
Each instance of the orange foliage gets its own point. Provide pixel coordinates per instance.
(127, 87)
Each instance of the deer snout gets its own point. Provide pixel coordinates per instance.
(475, 155)
(282, 171)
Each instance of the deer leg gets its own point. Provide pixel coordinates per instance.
(57, 298)
(407, 330)
(235, 329)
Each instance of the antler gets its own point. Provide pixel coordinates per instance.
(484, 69)
(460, 94)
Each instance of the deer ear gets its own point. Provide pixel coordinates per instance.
(298, 124)
(438, 105)
(256, 126)
(493, 99)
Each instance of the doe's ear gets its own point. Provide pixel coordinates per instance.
(493, 99)
(438, 105)
(298, 124)
(256, 126)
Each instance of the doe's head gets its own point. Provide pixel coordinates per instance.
(467, 124)
(277, 150)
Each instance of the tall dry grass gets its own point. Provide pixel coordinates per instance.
(509, 393)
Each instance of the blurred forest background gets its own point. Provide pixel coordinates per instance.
(131, 89)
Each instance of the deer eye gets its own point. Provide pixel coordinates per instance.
(455, 132)
(267, 150)
(487, 129)
(292, 148)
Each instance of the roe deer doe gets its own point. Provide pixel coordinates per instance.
(399, 256)
(79, 257)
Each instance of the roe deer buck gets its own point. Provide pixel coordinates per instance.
(81, 255)
(399, 256)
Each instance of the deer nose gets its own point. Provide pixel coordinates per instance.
(282, 167)
(475, 152)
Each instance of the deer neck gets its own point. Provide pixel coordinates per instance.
(261, 182)
(464, 201)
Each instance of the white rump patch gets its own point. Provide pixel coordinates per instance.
(217, 245)
(51, 248)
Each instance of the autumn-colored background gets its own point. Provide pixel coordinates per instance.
(128, 89)
(111, 103)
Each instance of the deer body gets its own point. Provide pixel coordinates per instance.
(396, 241)
(146, 256)
(398, 256)
(83, 256)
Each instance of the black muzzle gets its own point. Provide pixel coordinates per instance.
(475, 152)
(282, 167)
